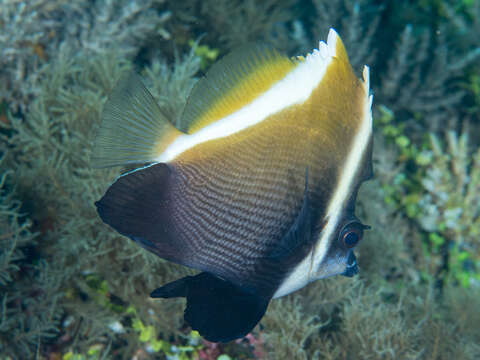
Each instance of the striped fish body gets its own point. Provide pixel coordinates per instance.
(257, 192)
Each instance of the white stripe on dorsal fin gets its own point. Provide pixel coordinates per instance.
(133, 129)
(294, 88)
(233, 82)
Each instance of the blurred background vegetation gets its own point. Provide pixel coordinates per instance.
(71, 288)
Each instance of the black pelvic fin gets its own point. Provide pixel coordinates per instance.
(219, 310)
(300, 231)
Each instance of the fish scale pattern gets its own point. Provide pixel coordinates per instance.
(234, 205)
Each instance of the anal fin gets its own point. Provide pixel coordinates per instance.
(219, 310)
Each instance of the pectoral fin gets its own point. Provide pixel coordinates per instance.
(219, 310)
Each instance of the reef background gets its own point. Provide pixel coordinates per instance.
(71, 288)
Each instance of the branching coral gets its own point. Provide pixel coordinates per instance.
(28, 313)
(421, 80)
(436, 186)
(229, 24)
(32, 33)
(427, 92)
(15, 233)
(449, 208)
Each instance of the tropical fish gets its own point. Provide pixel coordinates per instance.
(256, 187)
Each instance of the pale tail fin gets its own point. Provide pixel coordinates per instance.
(133, 128)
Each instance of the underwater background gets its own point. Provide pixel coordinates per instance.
(70, 288)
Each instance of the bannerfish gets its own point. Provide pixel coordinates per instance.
(255, 187)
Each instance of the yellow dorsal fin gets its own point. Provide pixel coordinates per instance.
(233, 82)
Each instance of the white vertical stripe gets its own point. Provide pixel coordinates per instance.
(306, 271)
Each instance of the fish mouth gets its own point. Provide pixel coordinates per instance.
(352, 268)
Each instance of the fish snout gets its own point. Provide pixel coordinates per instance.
(352, 267)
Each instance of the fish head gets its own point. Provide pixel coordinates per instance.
(339, 258)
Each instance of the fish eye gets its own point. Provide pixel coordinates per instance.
(352, 233)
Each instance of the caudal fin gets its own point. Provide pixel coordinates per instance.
(133, 128)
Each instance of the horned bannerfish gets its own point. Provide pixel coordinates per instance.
(255, 187)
